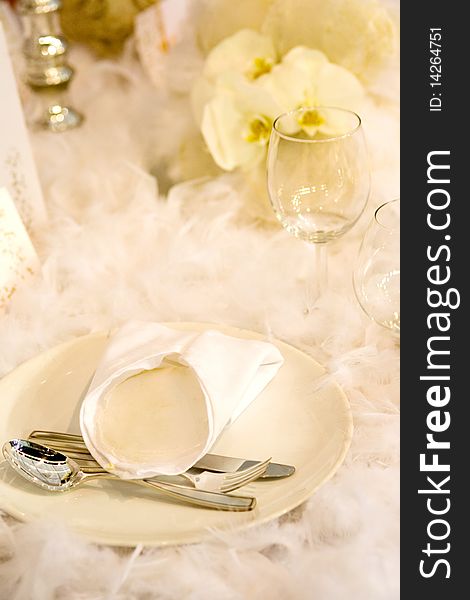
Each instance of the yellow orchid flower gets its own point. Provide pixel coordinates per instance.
(306, 79)
(236, 122)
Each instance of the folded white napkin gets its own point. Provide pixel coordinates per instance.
(187, 387)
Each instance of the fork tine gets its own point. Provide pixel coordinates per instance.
(245, 477)
(254, 467)
(258, 467)
(229, 484)
(254, 474)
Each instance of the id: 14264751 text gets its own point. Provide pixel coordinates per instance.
(435, 69)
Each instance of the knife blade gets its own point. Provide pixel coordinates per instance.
(219, 464)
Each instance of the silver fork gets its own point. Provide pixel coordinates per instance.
(74, 447)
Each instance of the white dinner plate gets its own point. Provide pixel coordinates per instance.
(294, 420)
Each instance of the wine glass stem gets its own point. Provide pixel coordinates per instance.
(317, 283)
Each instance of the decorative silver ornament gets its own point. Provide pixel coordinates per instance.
(47, 70)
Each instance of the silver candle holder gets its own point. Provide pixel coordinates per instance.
(47, 69)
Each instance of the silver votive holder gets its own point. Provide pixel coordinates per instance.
(47, 71)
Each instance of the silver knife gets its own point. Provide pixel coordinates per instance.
(214, 462)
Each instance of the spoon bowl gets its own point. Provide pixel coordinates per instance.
(41, 465)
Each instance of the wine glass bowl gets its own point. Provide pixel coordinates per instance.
(318, 176)
(377, 272)
(318, 179)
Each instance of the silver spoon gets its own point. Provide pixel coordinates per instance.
(54, 471)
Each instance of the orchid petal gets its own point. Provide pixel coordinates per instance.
(247, 52)
(222, 124)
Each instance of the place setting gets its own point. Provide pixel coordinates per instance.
(199, 294)
(175, 409)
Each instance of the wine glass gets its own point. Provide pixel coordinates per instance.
(376, 275)
(318, 179)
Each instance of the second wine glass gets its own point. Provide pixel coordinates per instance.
(377, 272)
(318, 179)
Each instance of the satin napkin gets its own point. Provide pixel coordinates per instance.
(160, 397)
